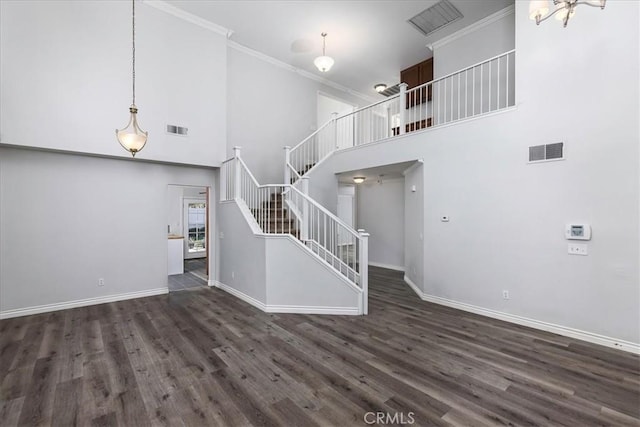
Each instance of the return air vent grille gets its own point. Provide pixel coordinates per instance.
(177, 130)
(435, 17)
(540, 153)
(392, 90)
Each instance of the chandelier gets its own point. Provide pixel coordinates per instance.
(565, 9)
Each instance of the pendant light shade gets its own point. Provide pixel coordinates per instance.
(324, 62)
(132, 138)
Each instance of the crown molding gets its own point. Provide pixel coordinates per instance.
(189, 17)
(509, 10)
(201, 22)
(273, 61)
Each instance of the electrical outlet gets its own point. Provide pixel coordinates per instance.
(233, 274)
(577, 249)
(101, 282)
(505, 294)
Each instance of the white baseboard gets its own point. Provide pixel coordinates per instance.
(244, 297)
(80, 303)
(532, 323)
(389, 266)
(302, 309)
(290, 309)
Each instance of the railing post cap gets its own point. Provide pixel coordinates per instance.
(305, 177)
(287, 147)
(237, 147)
(404, 85)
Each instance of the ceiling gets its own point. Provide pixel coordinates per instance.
(376, 174)
(370, 41)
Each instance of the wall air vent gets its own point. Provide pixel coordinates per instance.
(435, 17)
(540, 153)
(177, 130)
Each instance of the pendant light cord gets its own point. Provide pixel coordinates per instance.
(324, 43)
(133, 60)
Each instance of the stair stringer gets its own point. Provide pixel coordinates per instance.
(289, 279)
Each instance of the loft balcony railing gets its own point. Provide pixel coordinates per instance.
(480, 89)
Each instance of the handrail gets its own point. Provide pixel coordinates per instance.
(253, 178)
(468, 68)
(366, 107)
(313, 134)
(298, 176)
(325, 211)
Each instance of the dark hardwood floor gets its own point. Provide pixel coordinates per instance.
(203, 358)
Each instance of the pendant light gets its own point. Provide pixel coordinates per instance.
(132, 138)
(565, 9)
(324, 62)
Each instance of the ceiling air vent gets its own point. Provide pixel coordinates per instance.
(177, 130)
(435, 17)
(392, 90)
(539, 153)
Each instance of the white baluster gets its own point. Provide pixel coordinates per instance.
(364, 269)
(403, 107)
(287, 161)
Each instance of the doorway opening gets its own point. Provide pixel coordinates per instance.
(188, 237)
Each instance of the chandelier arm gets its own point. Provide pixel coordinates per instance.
(601, 6)
(549, 15)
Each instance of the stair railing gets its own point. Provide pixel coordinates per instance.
(368, 124)
(264, 202)
(287, 209)
(310, 151)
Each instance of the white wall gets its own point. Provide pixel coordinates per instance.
(268, 270)
(269, 107)
(486, 42)
(381, 212)
(68, 220)
(322, 287)
(328, 105)
(414, 224)
(507, 217)
(243, 255)
(65, 79)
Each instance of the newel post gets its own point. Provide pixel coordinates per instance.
(403, 108)
(304, 229)
(363, 262)
(287, 161)
(236, 178)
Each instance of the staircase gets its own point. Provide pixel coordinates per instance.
(287, 210)
(273, 217)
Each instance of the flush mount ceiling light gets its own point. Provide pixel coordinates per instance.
(324, 62)
(565, 9)
(132, 138)
(380, 87)
(358, 179)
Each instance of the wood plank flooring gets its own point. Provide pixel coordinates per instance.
(205, 358)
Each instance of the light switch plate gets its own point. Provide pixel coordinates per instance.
(578, 249)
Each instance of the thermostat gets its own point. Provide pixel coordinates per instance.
(578, 232)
